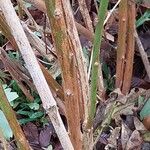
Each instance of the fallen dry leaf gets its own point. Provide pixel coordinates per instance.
(125, 135)
(45, 136)
(138, 124)
(134, 142)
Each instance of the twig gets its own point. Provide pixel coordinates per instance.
(72, 64)
(39, 45)
(21, 4)
(85, 14)
(111, 11)
(143, 54)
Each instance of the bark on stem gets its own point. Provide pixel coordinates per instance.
(121, 43)
(70, 57)
(130, 48)
(48, 101)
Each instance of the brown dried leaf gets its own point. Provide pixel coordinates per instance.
(140, 83)
(31, 133)
(114, 136)
(45, 136)
(135, 141)
(125, 135)
(138, 124)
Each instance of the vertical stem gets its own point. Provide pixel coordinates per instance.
(121, 43)
(130, 47)
(95, 61)
(63, 29)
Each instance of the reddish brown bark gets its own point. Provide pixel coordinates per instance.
(130, 48)
(121, 50)
(67, 59)
(126, 41)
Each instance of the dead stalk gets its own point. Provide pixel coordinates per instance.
(85, 14)
(143, 54)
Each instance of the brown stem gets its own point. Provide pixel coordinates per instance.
(130, 48)
(121, 50)
(65, 48)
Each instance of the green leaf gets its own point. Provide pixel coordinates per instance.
(141, 101)
(27, 5)
(44, 121)
(26, 120)
(15, 87)
(34, 106)
(11, 96)
(145, 112)
(4, 125)
(22, 112)
(30, 114)
(106, 71)
(145, 17)
(36, 115)
(33, 117)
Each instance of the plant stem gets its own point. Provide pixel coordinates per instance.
(121, 49)
(130, 48)
(71, 60)
(126, 42)
(95, 61)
